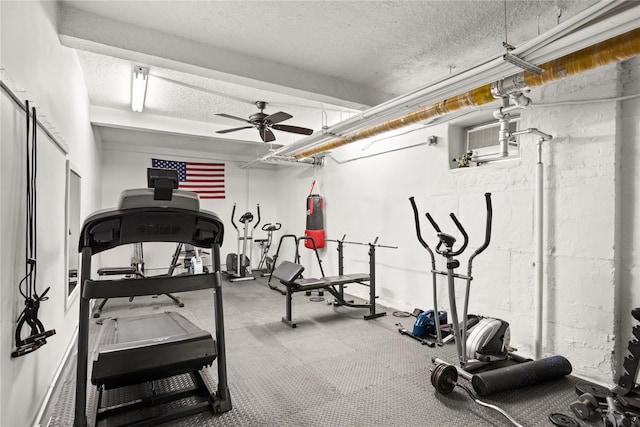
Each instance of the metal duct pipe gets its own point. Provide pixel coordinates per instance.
(538, 304)
(503, 134)
(539, 241)
(313, 161)
(599, 22)
(502, 115)
(614, 49)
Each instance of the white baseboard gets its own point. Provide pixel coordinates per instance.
(54, 381)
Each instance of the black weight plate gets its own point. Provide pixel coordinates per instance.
(444, 378)
(599, 392)
(563, 420)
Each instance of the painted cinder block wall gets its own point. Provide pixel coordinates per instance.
(628, 244)
(32, 57)
(586, 166)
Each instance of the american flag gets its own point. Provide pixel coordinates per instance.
(206, 179)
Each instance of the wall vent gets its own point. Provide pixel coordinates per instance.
(483, 140)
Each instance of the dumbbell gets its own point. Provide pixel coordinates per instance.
(585, 406)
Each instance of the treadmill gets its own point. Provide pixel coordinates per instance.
(150, 369)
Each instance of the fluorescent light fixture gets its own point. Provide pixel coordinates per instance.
(139, 88)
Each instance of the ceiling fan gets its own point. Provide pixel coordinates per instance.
(265, 122)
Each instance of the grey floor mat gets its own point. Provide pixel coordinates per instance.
(334, 369)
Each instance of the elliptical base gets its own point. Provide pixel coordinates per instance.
(519, 375)
(235, 278)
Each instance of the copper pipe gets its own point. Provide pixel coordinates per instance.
(615, 49)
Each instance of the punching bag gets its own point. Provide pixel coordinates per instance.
(315, 220)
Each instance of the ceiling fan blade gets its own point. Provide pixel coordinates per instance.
(266, 135)
(233, 130)
(277, 117)
(232, 117)
(293, 129)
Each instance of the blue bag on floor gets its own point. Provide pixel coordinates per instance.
(426, 324)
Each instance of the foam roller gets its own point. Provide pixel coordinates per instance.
(520, 375)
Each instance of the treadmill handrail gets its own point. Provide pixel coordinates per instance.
(111, 228)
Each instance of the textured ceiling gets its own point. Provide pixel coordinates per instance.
(321, 61)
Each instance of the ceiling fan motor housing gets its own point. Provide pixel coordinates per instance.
(258, 118)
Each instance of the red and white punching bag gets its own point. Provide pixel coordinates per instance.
(315, 220)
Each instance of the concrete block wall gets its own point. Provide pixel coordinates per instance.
(584, 172)
(580, 188)
(628, 243)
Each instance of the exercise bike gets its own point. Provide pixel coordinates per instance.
(238, 264)
(266, 264)
(488, 342)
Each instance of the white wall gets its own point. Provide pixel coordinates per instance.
(126, 168)
(31, 55)
(629, 241)
(369, 197)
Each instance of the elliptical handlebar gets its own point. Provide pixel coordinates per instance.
(447, 239)
(487, 234)
(464, 235)
(416, 219)
(257, 210)
(433, 223)
(233, 213)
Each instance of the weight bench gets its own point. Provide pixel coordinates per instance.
(289, 274)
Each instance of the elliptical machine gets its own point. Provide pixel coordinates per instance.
(238, 264)
(489, 341)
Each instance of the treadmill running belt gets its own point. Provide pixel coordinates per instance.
(151, 347)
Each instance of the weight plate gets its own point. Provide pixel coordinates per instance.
(316, 299)
(599, 392)
(444, 378)
(563, 420)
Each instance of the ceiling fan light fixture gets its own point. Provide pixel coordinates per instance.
(139, 87)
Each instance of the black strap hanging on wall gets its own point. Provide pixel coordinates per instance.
(27, 287)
